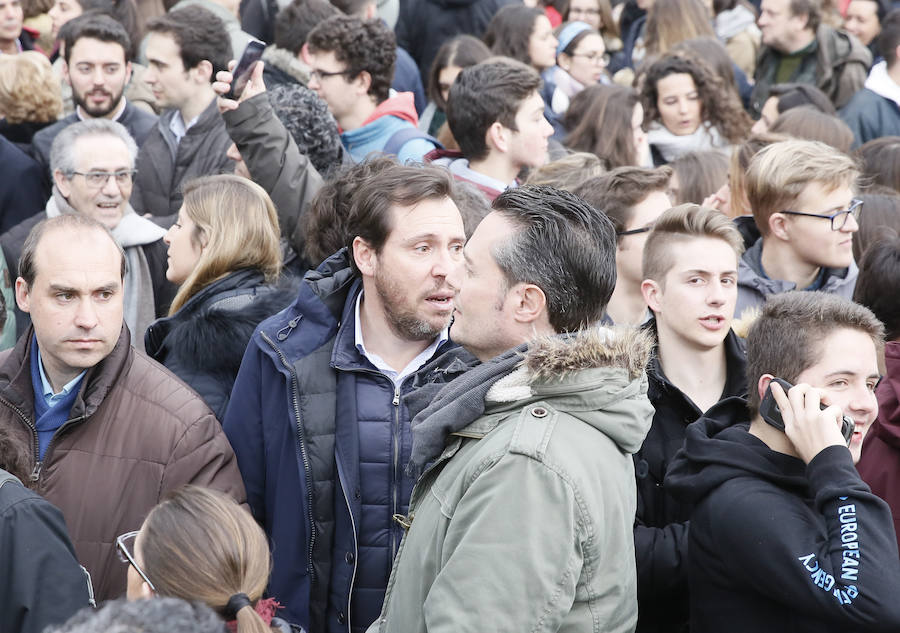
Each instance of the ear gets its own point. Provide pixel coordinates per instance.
(564, 61)
(304, 55)
(65, 71)
(778, 226)
(530, 303)
(146, 591)
(652, 293)
(202, 72)
(362, 82)
(371, 11)
(127, 72)
(762, 385)
(497, 136)
(23, 299)
(364, 256)
(62, 183)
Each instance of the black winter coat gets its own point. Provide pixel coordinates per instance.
(203, 343)
(43, 582)
(661, 522)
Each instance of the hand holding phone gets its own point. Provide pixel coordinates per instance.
(799, 413)
(253, 52)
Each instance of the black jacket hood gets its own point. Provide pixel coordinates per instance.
(718, 447)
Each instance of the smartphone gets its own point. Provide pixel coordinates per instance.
(771, 413)
(241, 74)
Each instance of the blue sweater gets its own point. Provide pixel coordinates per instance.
(49, 418)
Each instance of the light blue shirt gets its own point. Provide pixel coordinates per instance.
(52, 398)
(179, 128)
(395, 376)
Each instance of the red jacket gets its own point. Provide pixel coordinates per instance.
(879, 465)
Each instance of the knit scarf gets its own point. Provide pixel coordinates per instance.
(454, 404)
(671, 146)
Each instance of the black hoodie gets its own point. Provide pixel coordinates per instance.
(776, 545)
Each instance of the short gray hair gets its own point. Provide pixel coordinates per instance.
(62, 152)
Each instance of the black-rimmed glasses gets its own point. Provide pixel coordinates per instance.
(838, 218)
(643, 229)
(126, 557)
(319, 75)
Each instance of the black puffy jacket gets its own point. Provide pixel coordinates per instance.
(203, 343)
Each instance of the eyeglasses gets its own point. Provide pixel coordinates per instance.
(99, 179)
(126, 557)
(643, 229)
(838, 218)
(593, 58)
(583, 12)
(319, 75)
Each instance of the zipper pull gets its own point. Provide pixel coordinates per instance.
(403, 521)
(396, 401)
(36, 473)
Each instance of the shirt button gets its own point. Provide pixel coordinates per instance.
(349, 558)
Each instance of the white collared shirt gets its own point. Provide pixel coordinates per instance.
(395, 376)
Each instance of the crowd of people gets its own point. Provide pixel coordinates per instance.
(449, 315)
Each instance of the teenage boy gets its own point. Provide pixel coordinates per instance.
(496, 115)
(185, 49)
(352, 64)
(633, 198)
(784, 535)
(801, 193)
(690, 283)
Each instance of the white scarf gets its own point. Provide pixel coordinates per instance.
(671, 146)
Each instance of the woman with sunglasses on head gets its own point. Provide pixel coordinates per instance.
(224, 253)
(200, 545)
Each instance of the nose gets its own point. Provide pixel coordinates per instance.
(110, 188)
(167, 238)
(547, 128)
(313, 83)
(851, 225)
(233, 153)
(98, 75)
(863, 401)
(716, 294)
(86, 315)
(682, 105)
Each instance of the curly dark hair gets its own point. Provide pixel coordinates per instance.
(363, 45)
(718, 106)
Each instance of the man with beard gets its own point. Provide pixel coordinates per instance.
(316, 416)
(98, 69)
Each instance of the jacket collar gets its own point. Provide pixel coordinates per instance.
(15, 376)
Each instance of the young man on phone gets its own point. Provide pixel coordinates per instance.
(785, 536)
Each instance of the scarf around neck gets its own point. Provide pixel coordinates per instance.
(671, 146)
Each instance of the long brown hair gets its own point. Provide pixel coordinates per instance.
(670, 22)
(199, 544)
(237, 226)
(599, 118)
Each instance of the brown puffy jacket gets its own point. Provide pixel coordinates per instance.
(134, 433)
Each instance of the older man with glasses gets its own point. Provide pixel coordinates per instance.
(802, 196)
(92, 163)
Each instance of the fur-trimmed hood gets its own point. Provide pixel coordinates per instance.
(288, 63)
(597, 375)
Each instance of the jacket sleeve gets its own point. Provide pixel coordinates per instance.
(514, 551)
(243, 427)
(49, 585)
(852, 80)
(275, 162)
(661, 555)
(203, 457)
(847, 573)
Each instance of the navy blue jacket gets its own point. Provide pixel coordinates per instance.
(322, 440)
(870, 116)
(23, 191)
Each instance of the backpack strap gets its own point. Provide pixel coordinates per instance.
(401, 137)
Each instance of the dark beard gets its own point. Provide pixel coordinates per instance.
(95, 113)
(404, 323)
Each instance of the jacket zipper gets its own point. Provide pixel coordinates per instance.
(355, 556)
(395, 480)
(295, 388)
(36, 451)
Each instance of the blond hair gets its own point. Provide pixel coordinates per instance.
(682, 223)
(29, 92)
(237, 228)
(199, 544)
(568, 172)
(779, 173)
